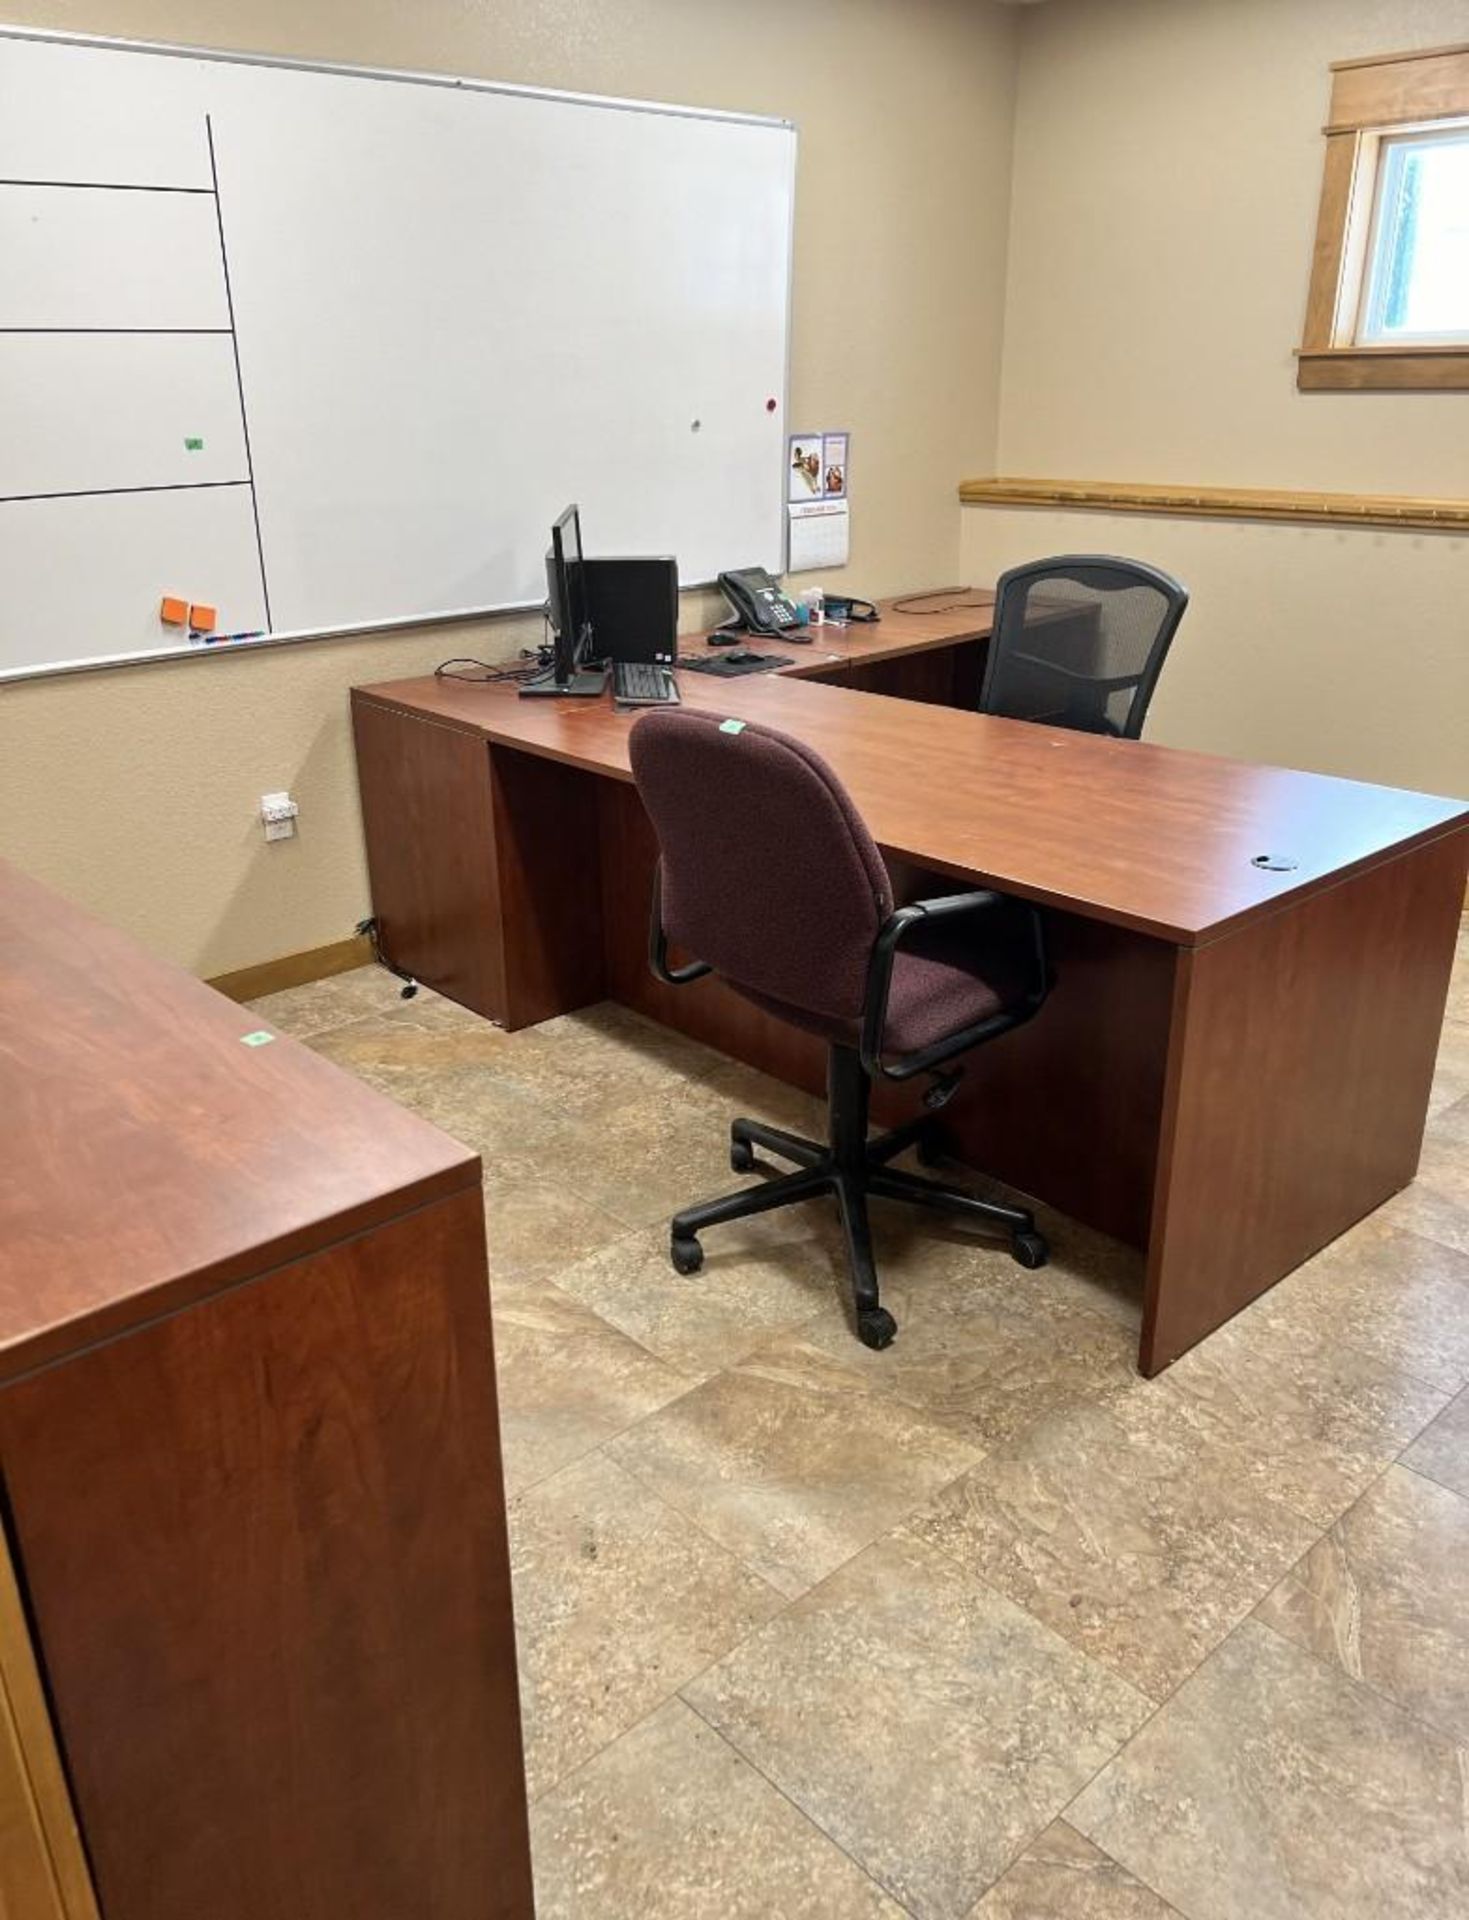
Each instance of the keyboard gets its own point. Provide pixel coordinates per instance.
(638, 683)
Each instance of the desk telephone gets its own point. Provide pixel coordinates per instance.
(759, 604)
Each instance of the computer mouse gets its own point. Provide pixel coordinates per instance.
(744, 657)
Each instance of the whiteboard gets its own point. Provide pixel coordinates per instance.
(199, 540)
(388, 325)
(94, 413)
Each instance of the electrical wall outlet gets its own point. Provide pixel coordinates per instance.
(278, 811)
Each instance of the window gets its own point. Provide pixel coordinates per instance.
(1418, 266)
(1389, 301)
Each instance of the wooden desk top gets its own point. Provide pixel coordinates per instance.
(1143, 836)
(964, 613)
(150, 1158)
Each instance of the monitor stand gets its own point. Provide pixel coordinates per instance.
(587, 684)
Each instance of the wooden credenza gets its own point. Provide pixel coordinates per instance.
(256, 1646)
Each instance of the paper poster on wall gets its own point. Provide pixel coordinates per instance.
(803, 466)
(819, 534)
(834, 466)
(816, 467)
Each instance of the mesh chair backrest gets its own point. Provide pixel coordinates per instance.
(769, 874)
(1079, 642)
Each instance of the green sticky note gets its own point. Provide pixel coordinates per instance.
(260, 1038)
(193, 446)
(731, 726)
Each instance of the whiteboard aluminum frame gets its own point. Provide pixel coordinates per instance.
(465, 82)
(101, 663)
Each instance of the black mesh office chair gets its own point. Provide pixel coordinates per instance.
(1079, 642)
(769, 877)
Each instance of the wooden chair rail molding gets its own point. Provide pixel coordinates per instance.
(1404, 511)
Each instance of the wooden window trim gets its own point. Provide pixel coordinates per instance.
(1392, 93)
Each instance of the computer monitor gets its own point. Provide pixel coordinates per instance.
(567, 581)
(571, 625)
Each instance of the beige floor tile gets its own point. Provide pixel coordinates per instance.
(666, 1150)
(923, 1721)
(1437, 1203)
(1444, 1163)
(582, 1065)
(621, 1031)
(1097, 1271)
(416, 1048)
(1441, 1451)
(567, 1380)
(450, 1069)
(757, 1096)
(364, 992)
(1062, 1876)
(618, 1601)
(1272, 1787)
(537, 1229)
(797, 1473)
(1401, 1297)
(669, 1823)
(982, 1347)
(1314, 1420)
(1085, 1266)
(1421, 1209)
(1127, 1529)
(1385, 1595)
(1450, 1078)
(600, 1059)
(760, 1277)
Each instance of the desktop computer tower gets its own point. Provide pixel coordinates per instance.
(633, 608)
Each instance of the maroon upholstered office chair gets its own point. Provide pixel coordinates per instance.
(769, 878)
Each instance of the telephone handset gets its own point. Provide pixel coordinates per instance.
(759, 604)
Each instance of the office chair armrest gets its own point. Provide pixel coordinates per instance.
(890, 938)
(1114, 685)
(658, 944)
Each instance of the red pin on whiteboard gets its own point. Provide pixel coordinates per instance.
(770, 406)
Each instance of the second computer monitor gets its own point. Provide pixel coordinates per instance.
(567, 585)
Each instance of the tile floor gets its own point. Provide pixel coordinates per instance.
(982, 1628)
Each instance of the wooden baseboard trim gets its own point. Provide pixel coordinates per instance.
(1406, 512)
(294, 969)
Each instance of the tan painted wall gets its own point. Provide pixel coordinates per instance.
(1167, 166)
(134, 791)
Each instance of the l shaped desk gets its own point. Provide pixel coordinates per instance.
(1251, 963)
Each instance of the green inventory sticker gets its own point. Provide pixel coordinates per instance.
(193, 446)
(731, 726)
(260, 1038)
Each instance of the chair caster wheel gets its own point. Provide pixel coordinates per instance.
(741, 1156)
(876, 1327)
(687, 1256)
(1030, 1250)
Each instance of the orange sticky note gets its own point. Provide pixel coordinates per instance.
(174, 613)
(202, 619)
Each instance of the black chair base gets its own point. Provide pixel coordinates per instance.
(851, 1167)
